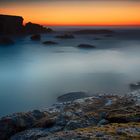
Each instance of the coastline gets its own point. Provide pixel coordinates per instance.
(110, 116)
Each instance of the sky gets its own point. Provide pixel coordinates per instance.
(74, 12)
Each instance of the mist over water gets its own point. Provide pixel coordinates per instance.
(33, 75)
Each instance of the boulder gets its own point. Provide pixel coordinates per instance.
(72, 96)
(86, 46)
(65, 36)
(50, 43)
(12, 124)
(36, 37)
(32, 28)
(6, 41)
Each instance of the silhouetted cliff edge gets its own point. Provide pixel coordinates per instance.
(13, 25)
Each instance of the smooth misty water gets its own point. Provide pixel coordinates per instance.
(32, 75)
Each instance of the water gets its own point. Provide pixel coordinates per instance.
(32, 75)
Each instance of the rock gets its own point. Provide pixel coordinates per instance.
(102, 122)
(93, 31)
(32, 28)
(15, 123)
(11, 24)
(65, 36)
(72, 96)
(6, 41)
(86, 46)
(50, 43)
(134, 86)
(36, 37)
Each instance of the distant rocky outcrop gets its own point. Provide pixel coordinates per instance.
(95, 31)
(32, 28)
(86, 46)
(50, 43)
(65, 36)
(13, 25)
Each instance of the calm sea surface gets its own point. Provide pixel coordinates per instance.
(32, 75)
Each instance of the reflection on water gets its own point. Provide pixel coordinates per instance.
(32, 75)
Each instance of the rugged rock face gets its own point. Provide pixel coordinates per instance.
(11, 24)
(108, 117)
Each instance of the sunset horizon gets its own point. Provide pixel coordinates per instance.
(75, 13)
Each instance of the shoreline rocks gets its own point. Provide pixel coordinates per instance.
(74, 118)
(13, 25)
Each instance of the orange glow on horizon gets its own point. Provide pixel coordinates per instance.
(77, 13)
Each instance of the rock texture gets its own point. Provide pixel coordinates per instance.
(109, 117)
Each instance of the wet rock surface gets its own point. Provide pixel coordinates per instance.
(108, 117)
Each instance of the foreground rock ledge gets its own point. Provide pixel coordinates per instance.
(105, 116)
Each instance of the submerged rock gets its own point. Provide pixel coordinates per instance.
(65, 36)
(135, 86)
(72, 96)
(86, 46)
(6, 41)
(50, 43)
(36, 37)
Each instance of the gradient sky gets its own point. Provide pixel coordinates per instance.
(75, 12)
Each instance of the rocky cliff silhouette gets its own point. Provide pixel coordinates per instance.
(14, 25)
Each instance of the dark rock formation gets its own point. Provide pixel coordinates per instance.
(32, 28)
(72, 96)
(95, 31)
(11, 24)
(86, 46)
(36, 37)
(65, 36)
(76, 119)
(6, 41)
(50, 43)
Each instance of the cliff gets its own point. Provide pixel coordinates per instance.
(11, 24)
